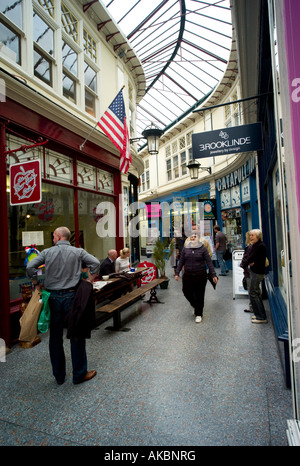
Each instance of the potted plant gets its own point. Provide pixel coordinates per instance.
(162, 252)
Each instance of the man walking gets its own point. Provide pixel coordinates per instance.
(220, 244)
(63, 264)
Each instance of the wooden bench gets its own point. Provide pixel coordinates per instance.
(115, 307)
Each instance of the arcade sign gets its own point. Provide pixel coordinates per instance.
(25, 183)
(233, 140)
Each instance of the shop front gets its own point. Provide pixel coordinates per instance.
(237, 204)
(76, 191)
(176, 213)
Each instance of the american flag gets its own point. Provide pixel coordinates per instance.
(113, 124)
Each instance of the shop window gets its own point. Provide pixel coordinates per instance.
(48, 6)
(169, 169)
(69, 87)
(59, 167)
(69, 23)
(278, 242)
(90, 80)
(43, 34)
(42, 67)
(174, 147)
(90, 103)
(183, 163)
(105, 181)
(10, 43)
(232, 227)
(69, 59)
(13, 142)
(91, 208)
(12, 10)
(86, 175)
(30, 221)
(43, 49)
(182, 143)
(70, 72)
(11, 30)
(176, 166)
(89, 46)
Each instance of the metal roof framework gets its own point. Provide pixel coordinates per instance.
(183, 46)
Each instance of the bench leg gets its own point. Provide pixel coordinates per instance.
(153, 297)
(117, 323)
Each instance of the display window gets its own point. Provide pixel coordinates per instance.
(232, 228)
(66, 200)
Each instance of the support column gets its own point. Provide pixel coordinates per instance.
(5, 331)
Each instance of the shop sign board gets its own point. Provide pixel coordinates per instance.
(210, 208)
(237, 274)
(25, 183)
(233, 140)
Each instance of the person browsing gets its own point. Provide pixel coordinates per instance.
(63, 268)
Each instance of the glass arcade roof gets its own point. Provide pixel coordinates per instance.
(184, 47)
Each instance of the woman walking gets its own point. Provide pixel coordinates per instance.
(194, 258)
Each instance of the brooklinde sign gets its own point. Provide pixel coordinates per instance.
(244, 138)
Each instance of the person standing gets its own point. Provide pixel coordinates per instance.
(257, 262)
(63, 268)
(194, 259)
(220, 244)
(107, 267)
(246, 267)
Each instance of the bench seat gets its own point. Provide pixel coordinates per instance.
(116, 306)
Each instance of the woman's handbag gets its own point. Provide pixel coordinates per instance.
(245, 285)
(267, 262)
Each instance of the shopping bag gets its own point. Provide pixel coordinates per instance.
(29, 319)
(44, 319)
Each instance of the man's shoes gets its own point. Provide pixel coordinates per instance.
(247, 310)
(60, 382)
(88, 376)
(258, 321)
(198, 319)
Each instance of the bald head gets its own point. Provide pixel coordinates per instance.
(61, 233)
(112, 254)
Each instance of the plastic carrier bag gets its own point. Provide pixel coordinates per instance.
(44, 319)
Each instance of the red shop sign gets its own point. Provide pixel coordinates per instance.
(25, 183)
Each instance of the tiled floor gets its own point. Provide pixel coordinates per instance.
(166, 382)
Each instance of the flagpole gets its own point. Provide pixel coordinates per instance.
(93, 129)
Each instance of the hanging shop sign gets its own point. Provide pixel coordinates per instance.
(243, 138)
(25, 183)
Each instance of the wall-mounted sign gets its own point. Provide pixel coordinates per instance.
(210, 208)
(237, 176)
(25, 183)
(244, 138)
